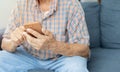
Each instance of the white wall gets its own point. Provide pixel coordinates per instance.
(5, 9)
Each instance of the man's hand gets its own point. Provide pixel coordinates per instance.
(16, 39)
(39, 41)
(48, 42)
(17, 36)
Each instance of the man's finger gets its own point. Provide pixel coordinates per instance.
(13, 37)
(47, 33)
(29, 38)
(18, 33)
(35, 33)
(22, 28)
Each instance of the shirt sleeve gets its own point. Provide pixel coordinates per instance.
(14, 22)
(77, 28)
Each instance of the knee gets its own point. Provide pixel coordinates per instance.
(75, 64)
(2, 55)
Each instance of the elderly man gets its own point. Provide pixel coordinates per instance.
(63, 46)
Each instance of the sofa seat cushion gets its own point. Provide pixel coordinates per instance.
(104, 60)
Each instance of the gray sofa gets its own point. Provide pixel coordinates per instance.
(104, 29)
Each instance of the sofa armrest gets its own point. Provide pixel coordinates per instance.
(1, 33)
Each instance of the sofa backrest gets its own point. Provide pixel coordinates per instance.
(110, 23)
(91, 9)
(103, 22)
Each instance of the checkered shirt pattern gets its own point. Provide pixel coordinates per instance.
(66, 20)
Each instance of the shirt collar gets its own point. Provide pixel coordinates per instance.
(53, 5)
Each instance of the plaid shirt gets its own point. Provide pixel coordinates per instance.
(65, 20)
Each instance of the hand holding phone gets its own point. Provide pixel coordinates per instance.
(35, 26)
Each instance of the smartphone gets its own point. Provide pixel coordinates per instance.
(35, 26)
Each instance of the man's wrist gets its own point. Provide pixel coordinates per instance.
(52, 45)
(58, 47)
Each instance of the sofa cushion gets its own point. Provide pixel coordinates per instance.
(91, 8)
(104, 60)
(110, 23)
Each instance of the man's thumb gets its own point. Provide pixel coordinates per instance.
(46, 32)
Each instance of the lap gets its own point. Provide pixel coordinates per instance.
(69, 64)
(19, 61)
(64, 64)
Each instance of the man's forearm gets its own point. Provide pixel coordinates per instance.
(70, 49)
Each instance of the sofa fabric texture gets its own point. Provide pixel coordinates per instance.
(104, 60)
(110, 23)
(91, 9)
